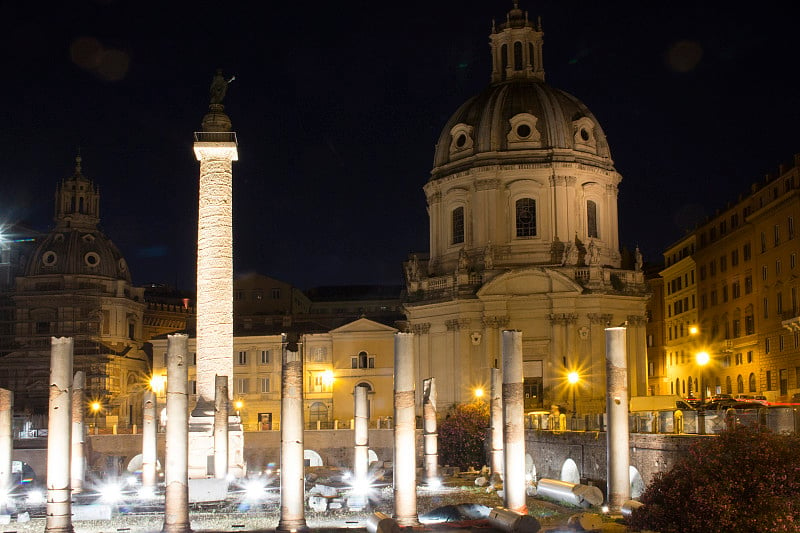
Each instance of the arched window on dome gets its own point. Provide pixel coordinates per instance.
(530, 54)
(517, 55)
(526, 217)
(591, 219)
(457, 220)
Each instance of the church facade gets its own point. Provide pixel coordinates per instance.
(522, 204)
(76, 283)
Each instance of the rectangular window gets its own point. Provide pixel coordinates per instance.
(723, 263)
(276, 294)
(792, 260)
(779, 301)
(791, 227)
(241, 385)
(764, 273)
(264, 357)
(192, 386)
(703, 302)
(736, 289)
(713, 297)
(766, 347)
(712, 268)
(776, 234)
(242, 358)
(258, 295)
(734, 220)
(265, 385)
(194, 359)
(780, 343)
(238, 295)
(526, 217)
(702, 273)
(769, 379)
(750, 356)
(737, 329)
(763, 242)
(748, 284)
(457, 220)
(738, 358)
(734, 258)
(777, 267)
(724, 293)
(749, 325)
(766, 307)
(746, 253)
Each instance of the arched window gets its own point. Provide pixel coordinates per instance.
(503, 61)
(517, 55)
(458, 225)
(678, 386)
(728, 386)
(739, 384)
(526, 217)
(752, 383)
(318, 411)
(591, 219)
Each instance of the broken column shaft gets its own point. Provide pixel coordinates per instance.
(361, 437)
(513, 423)
(59, 441)
(405, 467)
(149, 443)
(176, 465)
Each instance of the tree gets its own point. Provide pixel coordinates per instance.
(745, 480)
(462, 433)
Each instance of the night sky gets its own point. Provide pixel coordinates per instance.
(337, 106)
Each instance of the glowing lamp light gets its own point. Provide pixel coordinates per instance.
(111, 493)
(573, 377)
(95, 407)
(327, 378)
(238, 404)
(694, 330)
(157, 383)
(479, 392)
(702, 358)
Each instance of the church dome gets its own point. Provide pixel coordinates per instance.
(76, 245)
(73, 251)
(521, 118)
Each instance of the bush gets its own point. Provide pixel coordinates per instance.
(745, 480)
(462, 433)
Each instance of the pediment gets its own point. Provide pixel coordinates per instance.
(364, 325)
(528, 282)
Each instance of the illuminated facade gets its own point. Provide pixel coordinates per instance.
(747, 285)
(334, 363)
(522, 203)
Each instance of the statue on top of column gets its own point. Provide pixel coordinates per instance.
(219, 86)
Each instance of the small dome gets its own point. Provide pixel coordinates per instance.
(78, 251)
(524, 117)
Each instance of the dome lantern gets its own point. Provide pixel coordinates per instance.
(516, 46)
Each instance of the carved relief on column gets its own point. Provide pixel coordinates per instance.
(422, 328)
(562, 319)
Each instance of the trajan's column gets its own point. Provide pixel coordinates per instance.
(216, 149)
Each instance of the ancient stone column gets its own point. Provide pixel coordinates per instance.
(149, 442)
(292, 479)
(405, 463)
(59, 441)
(496, 421)
(513, 423)
(361, 435)
(6, 444)
(176, 466)
(221, 406)
(430, 433)
(78, 466)
(215, 148)
(618, 449)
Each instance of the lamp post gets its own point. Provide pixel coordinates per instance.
(702, 359)
(573, 378)
(95, 407)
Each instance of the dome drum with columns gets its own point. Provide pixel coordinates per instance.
(522, 204)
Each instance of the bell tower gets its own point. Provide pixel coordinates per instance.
(517, 47)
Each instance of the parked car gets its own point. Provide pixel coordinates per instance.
(683, 405)
(694, 402)
(761, 399)
(720, 397)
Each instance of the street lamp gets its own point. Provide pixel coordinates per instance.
(238, 404)
(96, 407)
(573, 378)
(478, 392)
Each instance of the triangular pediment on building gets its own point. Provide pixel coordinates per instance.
(529, 281)
(364, 325)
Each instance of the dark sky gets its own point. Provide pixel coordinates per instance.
(337, 106)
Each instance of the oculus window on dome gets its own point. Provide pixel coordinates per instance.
(49, 258)
(461, 141)
(91, 259)
(523, 132)
(584, 135)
